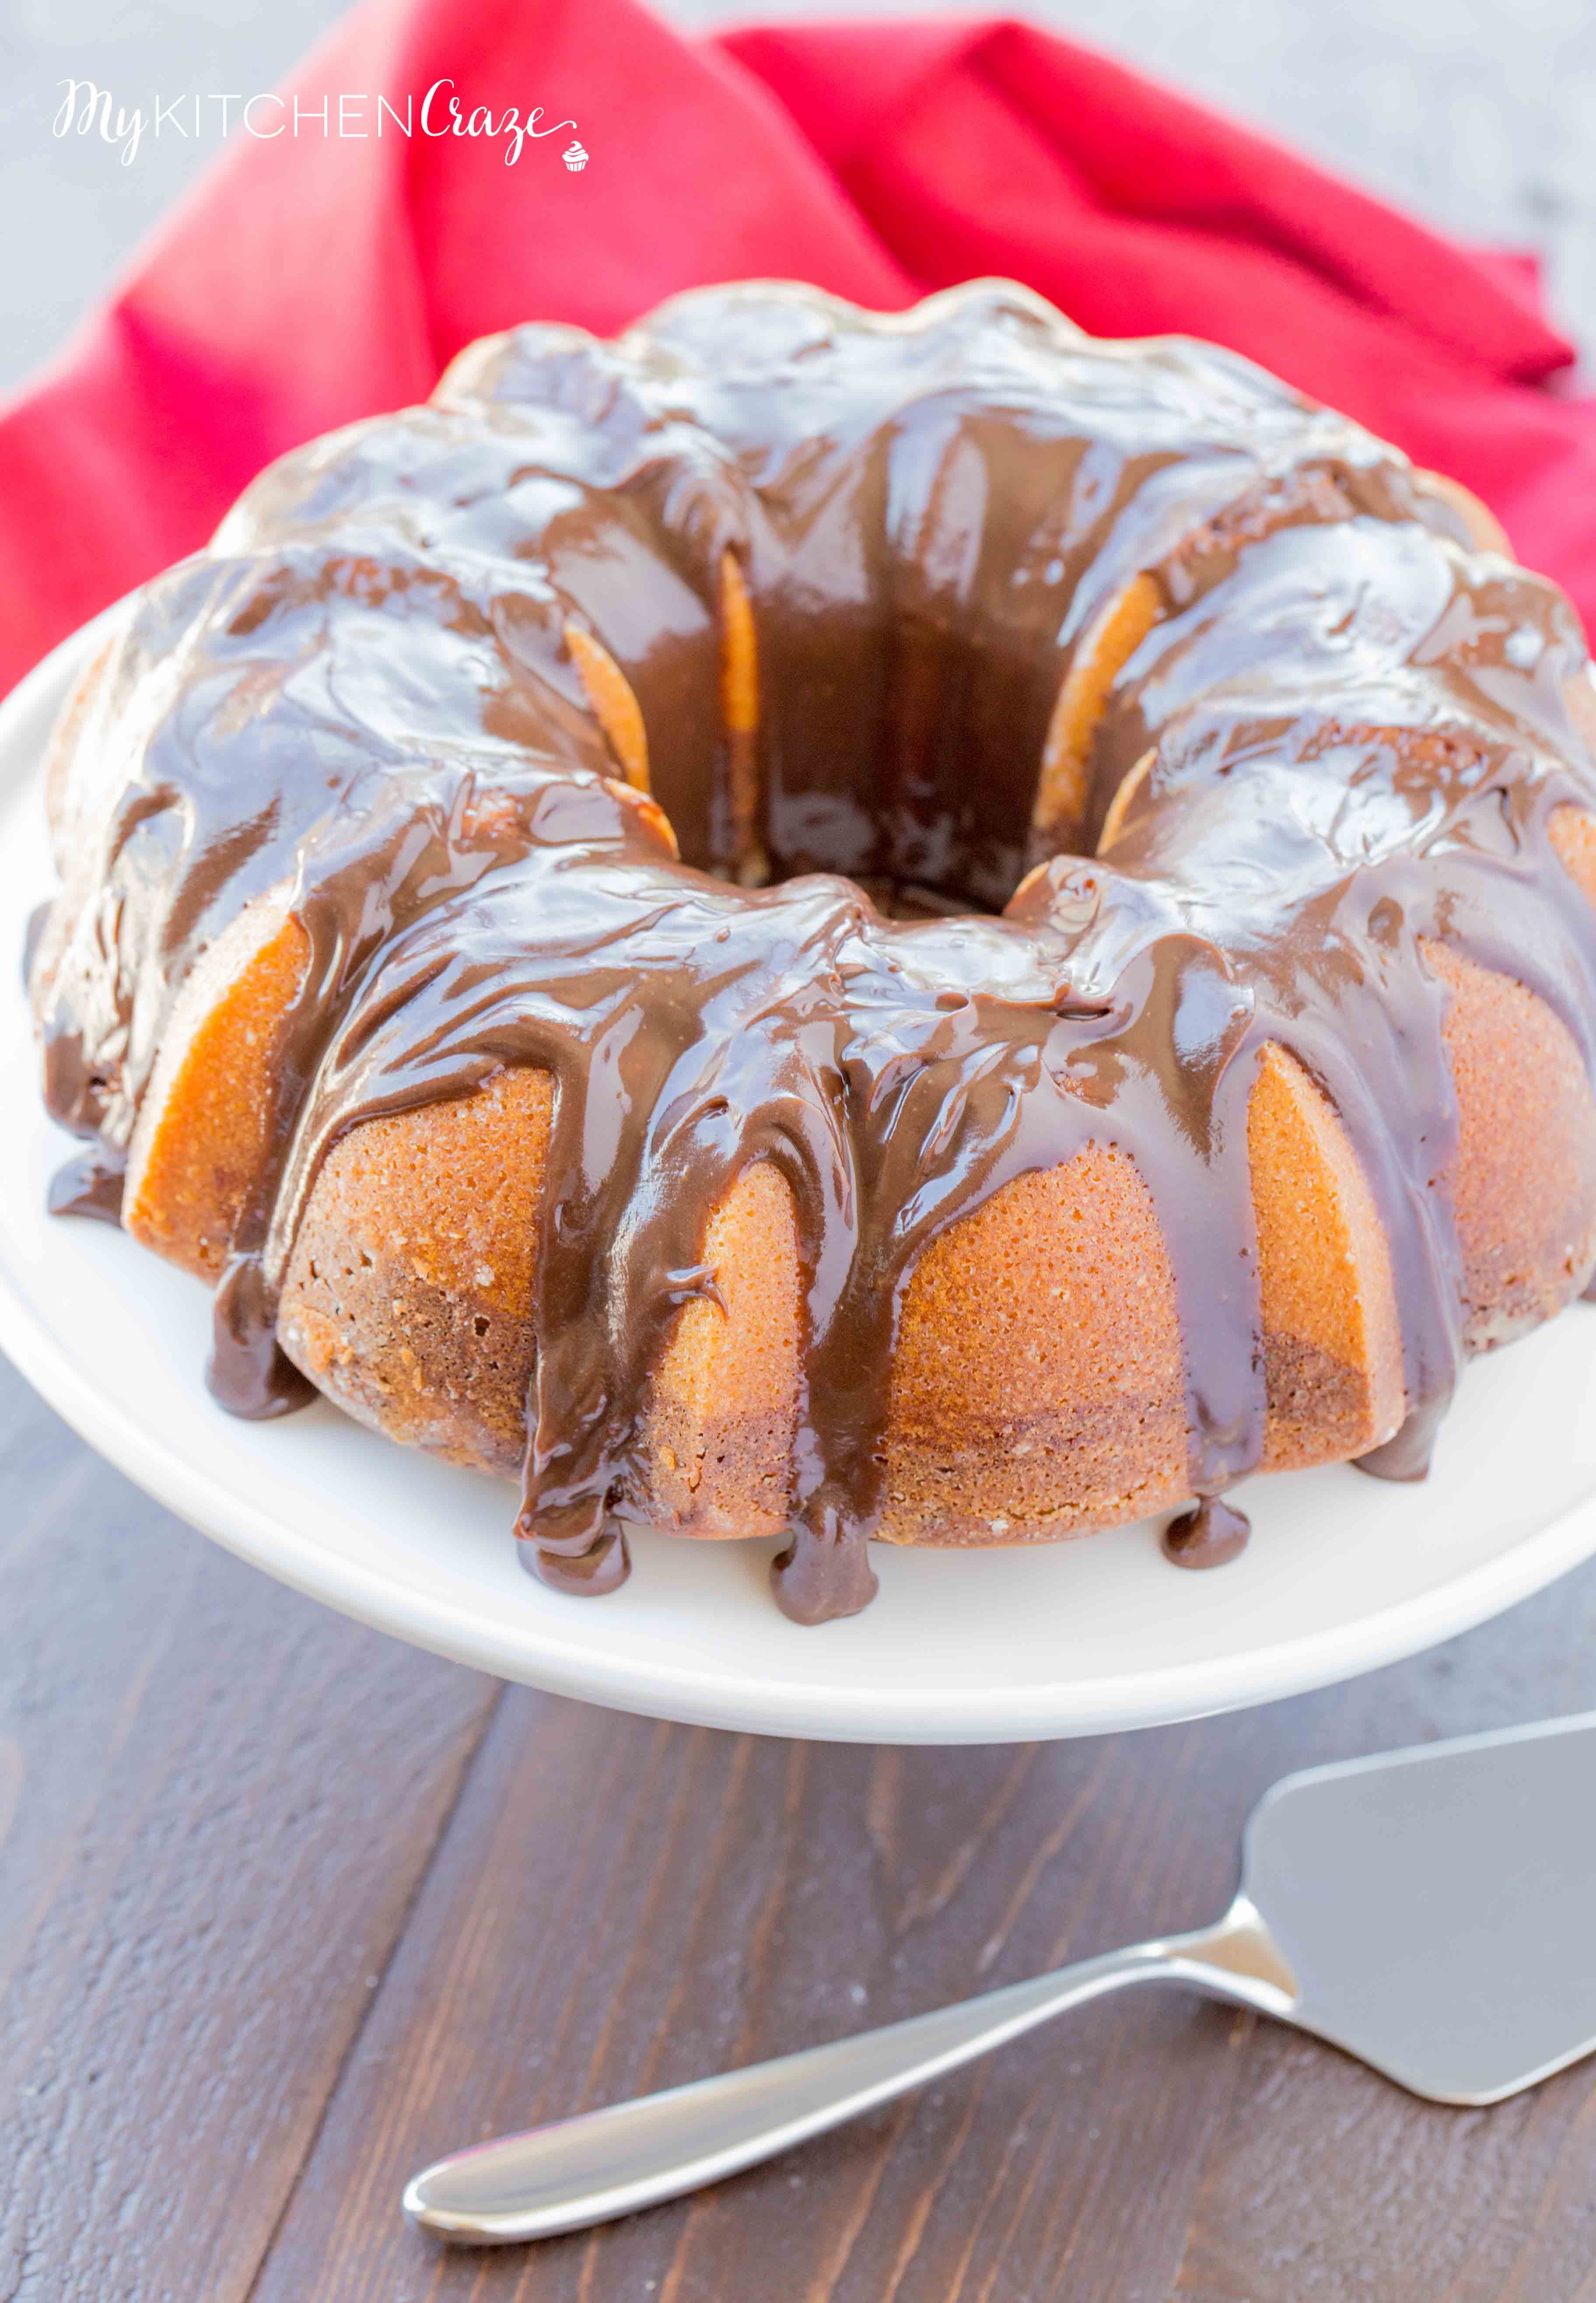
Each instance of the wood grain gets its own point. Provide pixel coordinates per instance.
(617, 1906)
(216, 1803)
(286, 1909)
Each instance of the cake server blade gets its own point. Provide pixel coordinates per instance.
(1438, 1906)
(1432, 1912)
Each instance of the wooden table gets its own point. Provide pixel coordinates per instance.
(287, 1909)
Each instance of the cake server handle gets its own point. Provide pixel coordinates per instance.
(603, 2163)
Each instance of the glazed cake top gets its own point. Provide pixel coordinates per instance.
(366, 693)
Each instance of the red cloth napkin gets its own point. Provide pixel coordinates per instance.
(314, 279)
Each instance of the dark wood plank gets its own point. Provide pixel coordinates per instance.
(617, 1905)
(216, 1801)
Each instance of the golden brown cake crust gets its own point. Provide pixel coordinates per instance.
(409, 1299)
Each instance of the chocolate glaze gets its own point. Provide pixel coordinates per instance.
(87, 1186)
(1210, 1536)
(360, 704)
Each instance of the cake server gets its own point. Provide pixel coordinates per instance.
(1432, 1912)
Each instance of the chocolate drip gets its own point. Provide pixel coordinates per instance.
(1358, 737)
(88, 1186)
(1210, 1536)
(1407, 1455)
(824, 1572)
(247, 1373)
(589, 1560)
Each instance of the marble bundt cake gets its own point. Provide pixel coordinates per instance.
(841, 925)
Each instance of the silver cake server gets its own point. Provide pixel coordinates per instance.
(1432, 1912)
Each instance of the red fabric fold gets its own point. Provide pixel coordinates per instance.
(308, 280)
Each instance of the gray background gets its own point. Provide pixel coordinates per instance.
(1476, 113)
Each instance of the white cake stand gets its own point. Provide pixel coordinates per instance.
(1343, 1573)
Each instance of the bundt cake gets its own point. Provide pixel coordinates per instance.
(843, 925)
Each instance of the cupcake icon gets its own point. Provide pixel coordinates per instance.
(575, 158)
